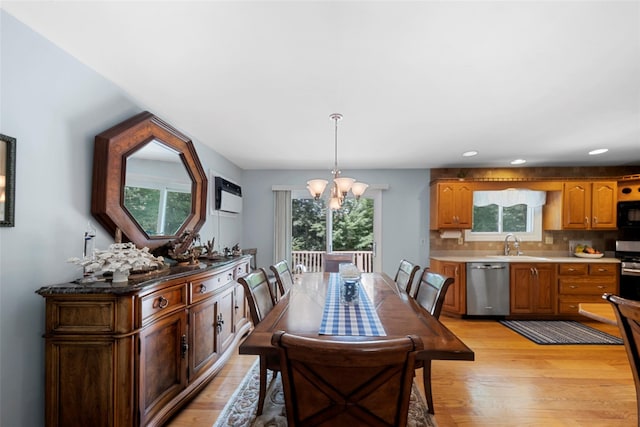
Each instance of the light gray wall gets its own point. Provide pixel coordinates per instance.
(54, 106)
(405, 211)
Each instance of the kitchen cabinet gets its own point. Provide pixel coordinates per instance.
(451, 205)
(589, 205)
(532, 288)
(581, 282)
(455, 302)
(145, 349)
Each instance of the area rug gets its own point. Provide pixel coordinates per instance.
(560, 332)
(240, 410)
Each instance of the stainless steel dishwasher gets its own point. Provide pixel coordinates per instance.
(487, 288)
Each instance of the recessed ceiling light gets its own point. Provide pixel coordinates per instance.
(470, 153)
(598, 151)
(518, 161)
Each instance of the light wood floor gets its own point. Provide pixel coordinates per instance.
(512, 382)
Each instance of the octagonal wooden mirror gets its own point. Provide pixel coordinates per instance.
(148, 182)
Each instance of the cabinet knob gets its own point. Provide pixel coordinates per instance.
(595, 220)
(573, 287)
(586, 220)
(203, 289)
(601, 287)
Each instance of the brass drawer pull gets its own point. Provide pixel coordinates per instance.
(163, 303)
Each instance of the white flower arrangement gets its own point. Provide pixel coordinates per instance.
(120, 257)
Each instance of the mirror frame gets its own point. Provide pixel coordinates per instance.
(112, 147)
(10, 181)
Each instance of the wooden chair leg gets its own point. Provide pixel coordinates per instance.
(263, 384)
(426, 378)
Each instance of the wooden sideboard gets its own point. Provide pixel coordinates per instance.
(134, 354)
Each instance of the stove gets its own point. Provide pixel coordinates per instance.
(628, 252)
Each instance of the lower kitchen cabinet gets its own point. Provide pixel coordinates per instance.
(455, 302)
(533, 288)
(578, 282)
(134, 355)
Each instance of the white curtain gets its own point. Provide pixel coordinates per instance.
(282, 226)
(510, 197)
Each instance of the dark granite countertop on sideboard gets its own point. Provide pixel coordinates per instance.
(138, 282)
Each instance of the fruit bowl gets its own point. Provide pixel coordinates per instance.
(585, 255)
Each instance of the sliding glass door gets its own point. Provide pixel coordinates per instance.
(354, 229)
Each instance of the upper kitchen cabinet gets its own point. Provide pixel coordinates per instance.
(589, 205)
(451, 205)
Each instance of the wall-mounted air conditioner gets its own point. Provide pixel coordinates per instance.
(228, 196)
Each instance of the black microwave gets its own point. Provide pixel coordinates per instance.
(629, 214)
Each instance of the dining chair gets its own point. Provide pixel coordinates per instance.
(283, 276)
(331, 261)
(405, 276)
(628, 315)
(432, 289)
(339, 383)
(257, 289)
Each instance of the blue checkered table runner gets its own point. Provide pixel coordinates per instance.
(357, 319)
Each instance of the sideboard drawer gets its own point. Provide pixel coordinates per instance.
(202, 288)
(161, 302)
(241, 270)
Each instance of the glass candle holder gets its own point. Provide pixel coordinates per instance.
(349, 292)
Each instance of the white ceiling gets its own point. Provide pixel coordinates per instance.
(418, 82)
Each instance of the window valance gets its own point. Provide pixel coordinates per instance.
(510, 197)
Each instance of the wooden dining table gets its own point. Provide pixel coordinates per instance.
(300, 312)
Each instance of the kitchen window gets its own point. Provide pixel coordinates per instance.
(497, 213)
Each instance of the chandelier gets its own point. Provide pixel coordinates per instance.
(341, 185)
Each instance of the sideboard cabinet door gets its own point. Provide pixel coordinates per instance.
(163, 368)
(80, 382)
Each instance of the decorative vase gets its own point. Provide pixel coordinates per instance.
(120, 276)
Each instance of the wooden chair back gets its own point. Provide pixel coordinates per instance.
(628, 315)
(337, 383)
(432, 289)
(331, 261)
(259, 295)
(283, 276)
(405, 276)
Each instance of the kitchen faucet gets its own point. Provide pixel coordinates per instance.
(516, 244)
